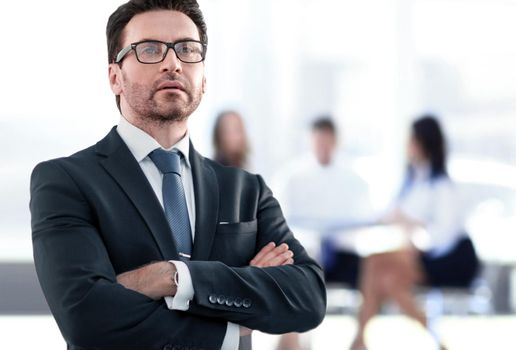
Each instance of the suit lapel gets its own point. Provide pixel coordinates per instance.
(121, 165)
(206, 205)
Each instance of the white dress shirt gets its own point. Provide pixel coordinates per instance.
(141, 144)
(324, 197)
(435, 203)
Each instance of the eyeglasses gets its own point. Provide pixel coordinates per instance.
(154, 51)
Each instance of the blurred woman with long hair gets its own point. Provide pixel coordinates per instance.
(230, 140)
(427, 200)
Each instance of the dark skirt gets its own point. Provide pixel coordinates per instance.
(458, 268)
(345, 268)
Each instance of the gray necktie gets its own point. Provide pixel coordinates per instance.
(174, 200)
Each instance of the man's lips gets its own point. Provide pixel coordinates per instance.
(171, 84)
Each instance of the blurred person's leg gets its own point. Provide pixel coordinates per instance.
(385, 276)
(371, 297)
(458, 268)
(289, 341)
(246, 343)
(401, 274)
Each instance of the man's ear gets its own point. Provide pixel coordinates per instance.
(115, 81)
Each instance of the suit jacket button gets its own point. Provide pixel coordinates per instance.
(212, 298)
(230, 301)
(247, 303)
(238, 302)
(221, 299)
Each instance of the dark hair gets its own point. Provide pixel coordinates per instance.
(428, 134)
(123, 14)
(236, 160)
(324, 123)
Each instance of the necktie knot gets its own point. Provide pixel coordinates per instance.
(167, 162)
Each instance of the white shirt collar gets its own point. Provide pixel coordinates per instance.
(141, 144)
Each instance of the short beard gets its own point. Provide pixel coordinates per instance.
(149, 111)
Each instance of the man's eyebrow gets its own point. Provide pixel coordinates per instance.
(180, 39)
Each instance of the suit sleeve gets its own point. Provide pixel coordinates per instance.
(274, 299)
(92, 310)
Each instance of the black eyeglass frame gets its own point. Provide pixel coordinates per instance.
(122, 53)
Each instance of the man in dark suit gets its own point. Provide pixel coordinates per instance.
(140, 242)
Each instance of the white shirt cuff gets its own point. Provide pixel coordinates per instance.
(232, 337)
(185, 291)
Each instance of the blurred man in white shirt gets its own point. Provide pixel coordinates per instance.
(323, 196)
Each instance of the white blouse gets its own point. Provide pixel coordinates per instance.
(437, 205)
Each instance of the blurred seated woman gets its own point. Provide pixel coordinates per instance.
(230, 140)
(429, 200)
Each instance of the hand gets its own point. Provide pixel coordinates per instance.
(270, 255)
(155, 280)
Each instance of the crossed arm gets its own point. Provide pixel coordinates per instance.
(156, 280)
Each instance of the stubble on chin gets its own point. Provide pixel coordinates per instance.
(149, 108)
(172, 110)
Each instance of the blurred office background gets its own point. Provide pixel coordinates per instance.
(372, 64)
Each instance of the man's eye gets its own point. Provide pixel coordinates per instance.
(186, 49)
(150, 50)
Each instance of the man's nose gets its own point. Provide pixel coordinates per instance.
(171, 62)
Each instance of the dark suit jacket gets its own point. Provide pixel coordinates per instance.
(94, 216)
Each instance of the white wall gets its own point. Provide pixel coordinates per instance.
(373, 64)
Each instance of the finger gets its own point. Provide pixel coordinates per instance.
(282, 248)
(264, 251)
(280, 259)
(269, 254)
(289, 261)
(258, 257)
